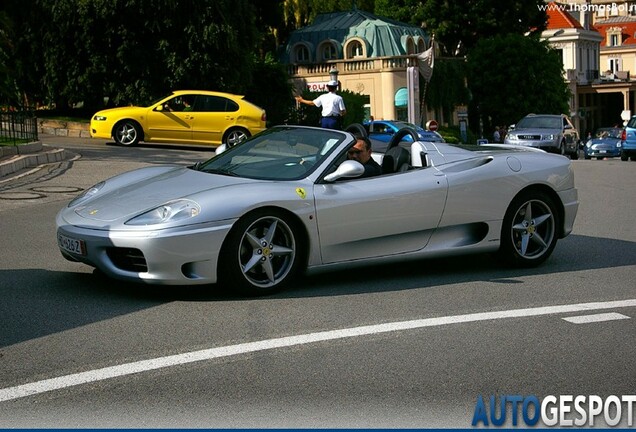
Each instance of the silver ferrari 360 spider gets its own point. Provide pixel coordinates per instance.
(260, 213)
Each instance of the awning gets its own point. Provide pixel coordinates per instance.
(401, 97)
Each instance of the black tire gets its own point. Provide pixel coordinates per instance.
(127, 133)
(624, 156)
(262, 254)
(530, 229)
(633, 158)
(588, 157)
(235, 136)
(575, 155)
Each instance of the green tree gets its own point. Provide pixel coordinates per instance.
(530, 79)
(458, 26)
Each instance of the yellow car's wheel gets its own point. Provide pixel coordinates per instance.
(127, 133)
(235, 136)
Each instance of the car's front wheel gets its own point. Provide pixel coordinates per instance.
(235, 136)
(530, 229)
(262, 253)
(624, 156)
(127, 133)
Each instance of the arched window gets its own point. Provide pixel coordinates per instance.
(355, 49)
(301, 54)
(328, 51)
(410, 46)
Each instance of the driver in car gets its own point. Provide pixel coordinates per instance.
(361, 152)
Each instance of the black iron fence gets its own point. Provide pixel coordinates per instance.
(17, 126)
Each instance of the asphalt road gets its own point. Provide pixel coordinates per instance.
(428, 338)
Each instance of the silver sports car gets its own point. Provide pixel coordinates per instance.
(260, 213)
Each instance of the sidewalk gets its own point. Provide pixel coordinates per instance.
(14, 159)
(17, 158)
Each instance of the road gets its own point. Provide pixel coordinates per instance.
(410, 345)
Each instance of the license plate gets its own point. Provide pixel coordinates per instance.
(603, 151)
(74, 246)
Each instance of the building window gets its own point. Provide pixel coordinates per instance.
(301, 54)
(355, 49)
(614, 40)
(410, 46)
(328, 51)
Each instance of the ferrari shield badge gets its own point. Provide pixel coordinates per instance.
(301, 192)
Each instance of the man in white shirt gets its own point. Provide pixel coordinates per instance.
(333, 107)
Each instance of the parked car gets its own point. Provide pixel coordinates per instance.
(258, 214)
(381, 131)
(628, 140)
(553, 133)
(186, 116)
(606, 142)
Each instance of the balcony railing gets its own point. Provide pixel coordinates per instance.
(356, 65)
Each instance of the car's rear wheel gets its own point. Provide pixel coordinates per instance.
(561, 149)
(127, 133)
(235, 136)
(262, 253)
(529, 232)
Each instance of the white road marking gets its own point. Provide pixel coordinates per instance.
(585, 319)
(71, 380)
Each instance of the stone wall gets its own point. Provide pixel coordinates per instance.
(63, 128)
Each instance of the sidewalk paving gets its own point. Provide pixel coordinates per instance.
(14, 159)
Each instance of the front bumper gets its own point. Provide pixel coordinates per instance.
(177, 256)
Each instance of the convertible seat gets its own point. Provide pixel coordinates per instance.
(395, 160)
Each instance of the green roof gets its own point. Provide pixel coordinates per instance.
(384, 37)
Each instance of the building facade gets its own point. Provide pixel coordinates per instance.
(600, 65)
(371, 55)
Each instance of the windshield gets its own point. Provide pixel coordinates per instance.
(608, 133)
(540, 122)
(280, 153)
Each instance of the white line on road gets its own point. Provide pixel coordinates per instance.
(585, 319)
(66, 381)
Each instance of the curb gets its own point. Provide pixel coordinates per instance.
(30, 155)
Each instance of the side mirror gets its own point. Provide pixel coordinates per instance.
(347, 169)
(159, 108)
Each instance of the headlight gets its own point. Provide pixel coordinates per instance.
(618, 144)
(588, 144)
(87, 194)
(169, 212)
(512, 137)
(547, 137)
(99, 118)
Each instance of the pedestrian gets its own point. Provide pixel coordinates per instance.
(496, 136)
(332, 105)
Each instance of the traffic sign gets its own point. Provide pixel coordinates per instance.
(431, 125)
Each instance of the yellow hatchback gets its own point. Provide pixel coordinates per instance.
(186, 116)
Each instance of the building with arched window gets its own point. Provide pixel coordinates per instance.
(370, 53)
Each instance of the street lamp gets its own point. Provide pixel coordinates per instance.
(333, 76)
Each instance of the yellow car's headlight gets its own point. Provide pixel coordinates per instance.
(99, 118)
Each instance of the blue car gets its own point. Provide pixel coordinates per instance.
(606, 142)
(381, 132)
(628, 141)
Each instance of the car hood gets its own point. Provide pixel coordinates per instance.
(535, 131)
(114, 111)
(608, 141)
(139, 191)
